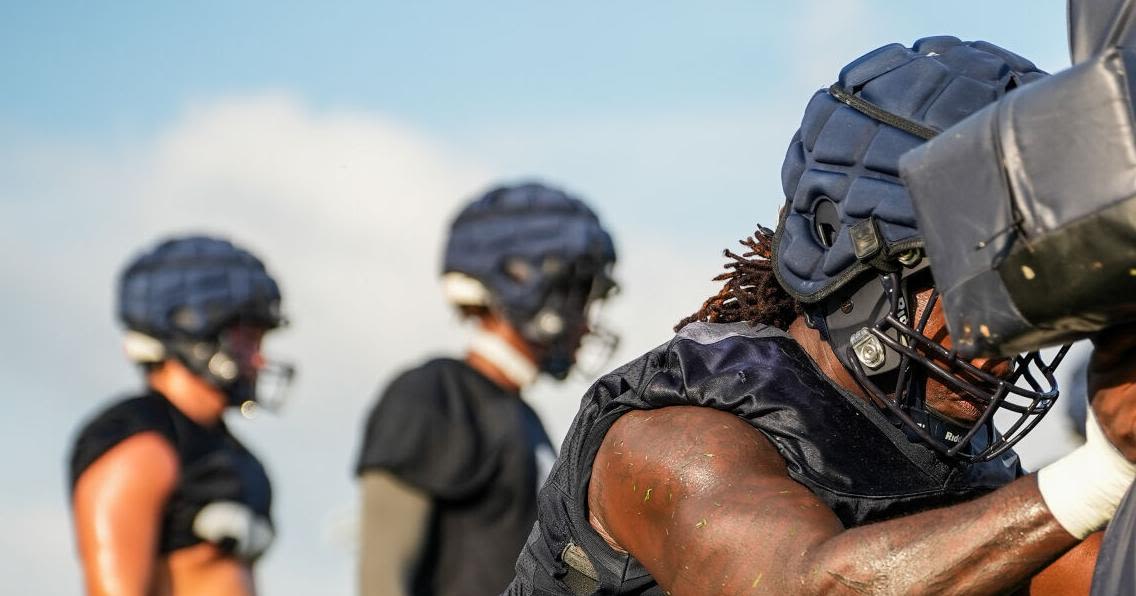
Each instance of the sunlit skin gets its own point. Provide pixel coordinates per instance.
(939, 397)
(705, 502)
(118, 501)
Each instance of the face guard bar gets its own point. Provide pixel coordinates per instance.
(567, 326)
(990, 391)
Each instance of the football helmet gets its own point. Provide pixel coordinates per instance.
(194, 298)
(847, 246)
(538, 257)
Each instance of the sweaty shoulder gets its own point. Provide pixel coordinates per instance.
(686, 479)
(425, 430)
(115, 424)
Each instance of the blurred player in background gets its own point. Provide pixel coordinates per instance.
(452, 456)
(165, 500)
(809, 430)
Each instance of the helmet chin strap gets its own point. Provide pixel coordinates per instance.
(901, 390)
(938, 427)
(914, 399)
(516, 367)
(918, 423)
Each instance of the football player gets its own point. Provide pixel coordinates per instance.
(165, 499)
(452, 456)
(810, 430)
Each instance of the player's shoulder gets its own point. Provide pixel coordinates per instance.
(432, 392)
(118, 421)
(129, 415)
(703, 333)
(430, 372)
(717, 347)
(425, 431)
(708, 348)
(427, 382)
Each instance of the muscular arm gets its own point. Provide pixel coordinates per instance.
(117, 505)
(395, 522)
(704, 501)
(1072, 573)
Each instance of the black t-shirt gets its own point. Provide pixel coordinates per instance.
(214, 466)
(480, 452)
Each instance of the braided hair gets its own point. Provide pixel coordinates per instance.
(751, 292)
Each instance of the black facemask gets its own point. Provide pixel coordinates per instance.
(873, 333)
(218, 363)
(563, 322)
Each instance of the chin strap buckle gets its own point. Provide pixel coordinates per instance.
(868, 349)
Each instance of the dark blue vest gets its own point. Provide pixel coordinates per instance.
(840, 447)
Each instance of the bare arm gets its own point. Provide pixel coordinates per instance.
(117, 506)
(395, 522)
(1071, 574)
(704, 501)
(1112, 386)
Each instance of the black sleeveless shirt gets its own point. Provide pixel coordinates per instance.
(214, 466)
(841, 448)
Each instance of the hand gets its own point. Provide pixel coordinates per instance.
(1112, 386)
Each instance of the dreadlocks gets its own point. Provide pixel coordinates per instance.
(751, 292)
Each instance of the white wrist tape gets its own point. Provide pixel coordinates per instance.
(1084, 488)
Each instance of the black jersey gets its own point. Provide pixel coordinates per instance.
(841, 448)
(480, 452)
(215, 468)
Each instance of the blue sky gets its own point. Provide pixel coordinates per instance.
(335, 139)
(99, 68)
(478, 75)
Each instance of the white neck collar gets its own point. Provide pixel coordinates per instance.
(501, 354)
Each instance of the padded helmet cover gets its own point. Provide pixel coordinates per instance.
(193, 287)
(520, 241)
(842, 166)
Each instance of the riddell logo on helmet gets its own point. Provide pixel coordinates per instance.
(902, 310)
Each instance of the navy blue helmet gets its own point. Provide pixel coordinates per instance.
(848, 211)
(192, 287)
(178, 299)
(536, 255)
(847, 246)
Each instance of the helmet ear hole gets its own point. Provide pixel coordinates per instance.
(187, 319)
(826, 222)
(518, 270)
